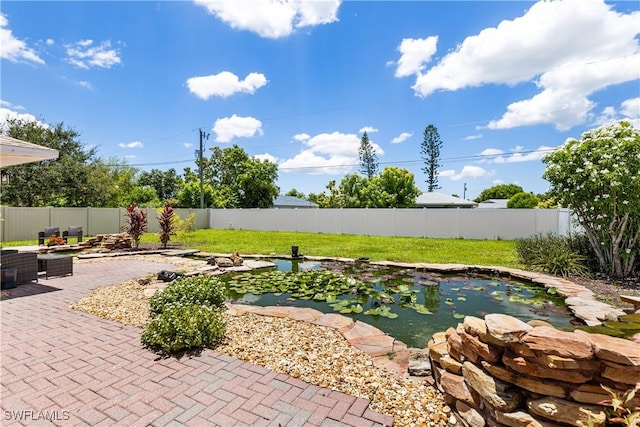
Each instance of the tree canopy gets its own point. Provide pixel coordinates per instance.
(523, 200)
(501, 191)
(430, 149)
(368, 157)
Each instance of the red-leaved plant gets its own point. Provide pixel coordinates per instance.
(166, 218)
(136, 223)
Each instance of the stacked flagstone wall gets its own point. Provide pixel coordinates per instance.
(502, 371)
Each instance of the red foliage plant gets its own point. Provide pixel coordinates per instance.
(136, 223)
(166, 218)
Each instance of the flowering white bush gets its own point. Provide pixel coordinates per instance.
(598, 176)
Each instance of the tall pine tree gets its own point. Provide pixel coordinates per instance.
(368, 158)
(430, 150)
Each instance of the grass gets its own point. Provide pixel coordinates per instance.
(400, 249)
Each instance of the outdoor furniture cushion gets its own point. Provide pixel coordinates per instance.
(74, 231)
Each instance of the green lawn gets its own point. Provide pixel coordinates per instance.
(407, 249)
(402, 249)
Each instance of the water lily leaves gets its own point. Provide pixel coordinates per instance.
(422, 309)
(382, 311)
(448, 301)
(461, 299)
(458, 316)
(552, 291)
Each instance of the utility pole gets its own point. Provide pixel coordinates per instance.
(464, 195)
(203, 136)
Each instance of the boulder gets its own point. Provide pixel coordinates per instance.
(470, 415)
(498, 394)
(472, 346)
(544, 340)
(617, 350)
(505, 329)
(532, 369)
(545, 387)
(574, 414)
(451, 365)
(455, 386)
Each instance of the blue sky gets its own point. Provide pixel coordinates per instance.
(297, 82)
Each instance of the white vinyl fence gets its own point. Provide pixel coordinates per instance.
(25, 223)
(505, 224)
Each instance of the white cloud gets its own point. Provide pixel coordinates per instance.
(13, 49)
(327, 153)
(266, 156)
(466, 172)
(224, 84)
(50, 42)
(631, 108)
(472, 137)
(86, 84)
(187, 144)
(228, 128)
(497, 182)
(301, 137)
(134, 144)
(84, 54)
(402, 137)
(573, 47)
(414, 54)
(518, 156)
(7, 104)
(7, 114)
(273, 19)
(368, 129)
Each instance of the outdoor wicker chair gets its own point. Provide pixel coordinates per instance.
(73, 232)
(25, 262)
(48, 232)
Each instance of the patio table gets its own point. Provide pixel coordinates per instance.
(55, 265)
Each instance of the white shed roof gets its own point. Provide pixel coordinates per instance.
(441, 200)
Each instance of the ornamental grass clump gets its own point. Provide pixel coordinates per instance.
(551, 254)
(186, 316)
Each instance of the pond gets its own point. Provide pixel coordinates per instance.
(407, 304)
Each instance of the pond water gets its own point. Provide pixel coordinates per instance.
(407, 304)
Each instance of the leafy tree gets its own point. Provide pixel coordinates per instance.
(61, 182)
(523, 200)
(368, 157)
(502, 191)
(243, 181)
(400, 186)
(165, 183)
(394, 188)
(295, 193)
(430, 149)
(598, 177)
(189, 196)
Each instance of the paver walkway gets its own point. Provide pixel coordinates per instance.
(64, 367)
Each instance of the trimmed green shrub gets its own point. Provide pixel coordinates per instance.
(184, 327)
(551, 254)
(196, 290)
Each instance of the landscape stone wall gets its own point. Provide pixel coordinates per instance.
(502, 371)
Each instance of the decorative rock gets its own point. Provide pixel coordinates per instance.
(588, 393)
(526, 367)
(455, 344)
(236, 260)
(505, 329)
(470, 415)
(472, 346)
(557, 362)
(451, 365)
(621, 374)
(438, 351)
(537, 323)
(498, 394)
(455, 386)
(564, 344)
(419, 368)
(476, 327)
(335, 321)
(517, 419)
(548, 388)
(573, 414)
(618, 350)
(223, 262)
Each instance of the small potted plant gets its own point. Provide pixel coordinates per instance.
(55, 240)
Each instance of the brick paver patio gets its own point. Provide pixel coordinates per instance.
(64, 367)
